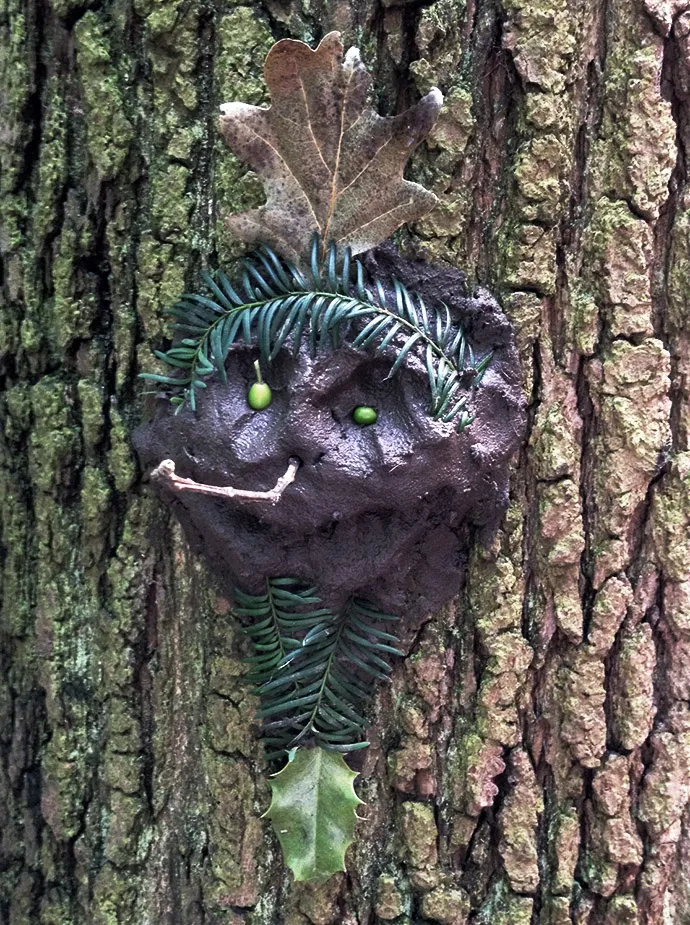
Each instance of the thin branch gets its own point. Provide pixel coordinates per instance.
(165, 473)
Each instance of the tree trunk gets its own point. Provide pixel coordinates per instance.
(530, 762)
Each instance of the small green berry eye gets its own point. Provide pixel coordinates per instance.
(364, 415)
(259, 395)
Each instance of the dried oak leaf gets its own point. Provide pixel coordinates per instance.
(328, 162)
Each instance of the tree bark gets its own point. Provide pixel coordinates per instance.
(530, 762)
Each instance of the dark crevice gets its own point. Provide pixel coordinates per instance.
(497, 95)
(674, 71)
(145, 651)
(32, 117)
(589, 432)
(544, 835)
(72, 16)
(581, 879)
(531, 499)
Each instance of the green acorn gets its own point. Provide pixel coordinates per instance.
(364, 415)
(259, 395)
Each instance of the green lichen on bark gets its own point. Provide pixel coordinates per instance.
(109, 132)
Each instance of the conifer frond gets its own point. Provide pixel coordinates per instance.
(276, 305)
(313, 669)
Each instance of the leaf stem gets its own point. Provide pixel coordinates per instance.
(274, 617)
(357, 306)
(309, 725)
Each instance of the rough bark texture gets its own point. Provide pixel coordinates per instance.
(531, 759)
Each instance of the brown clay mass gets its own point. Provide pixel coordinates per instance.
(385, 512)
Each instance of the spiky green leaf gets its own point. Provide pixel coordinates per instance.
(313, 811)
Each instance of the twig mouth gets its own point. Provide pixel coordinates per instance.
(164, 473)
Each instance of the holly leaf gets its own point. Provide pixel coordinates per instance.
(328, 162)
(313, 812)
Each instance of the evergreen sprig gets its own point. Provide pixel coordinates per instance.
(313, 668)
(276, 304)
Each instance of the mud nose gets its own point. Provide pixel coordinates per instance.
(165, 475)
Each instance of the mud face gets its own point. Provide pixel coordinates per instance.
(385, 510)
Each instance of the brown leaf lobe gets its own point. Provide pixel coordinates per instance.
(329, 164)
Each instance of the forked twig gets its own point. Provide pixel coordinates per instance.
(165, 473)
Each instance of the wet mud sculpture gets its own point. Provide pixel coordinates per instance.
(334, 430)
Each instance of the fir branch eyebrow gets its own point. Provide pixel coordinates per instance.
(165, 474)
